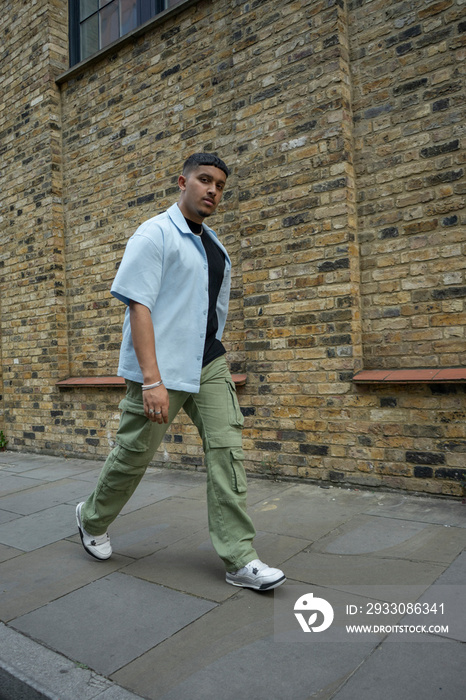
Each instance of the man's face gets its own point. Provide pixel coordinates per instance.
(201, 192)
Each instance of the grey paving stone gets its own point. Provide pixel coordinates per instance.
(448, 590)
(455, 575)
(192, 565)
(40, 576)
(409, 670)
(8, 553)
(145, 531)
(5, 516)
(45, 496)
(307, 511)
(345, 571)
(150, 491)
(387, 537)
(20, 460)
(231, 653)
(57, 470)
(424, 510)
(39, 529)
(258, 490)
(187, 478)
(12, 484)
(110, 622)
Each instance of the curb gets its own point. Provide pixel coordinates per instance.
(29, 671)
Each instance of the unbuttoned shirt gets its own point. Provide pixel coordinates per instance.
(165, 268)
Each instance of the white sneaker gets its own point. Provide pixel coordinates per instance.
(256, 575)
(97, 546)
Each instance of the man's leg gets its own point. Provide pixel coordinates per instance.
(137, 440)
(216, 413)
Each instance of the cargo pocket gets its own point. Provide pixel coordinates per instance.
(235, 417)
(238, 475)
(134, 432)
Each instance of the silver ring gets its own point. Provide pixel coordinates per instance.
(157, 413)
(151, 411)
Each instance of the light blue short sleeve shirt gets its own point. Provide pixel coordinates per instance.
(164, 267)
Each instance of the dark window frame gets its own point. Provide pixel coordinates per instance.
(146, 10)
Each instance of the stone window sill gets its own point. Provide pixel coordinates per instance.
(411, 376)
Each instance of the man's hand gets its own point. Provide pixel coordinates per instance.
(156, 404)
(156, 400)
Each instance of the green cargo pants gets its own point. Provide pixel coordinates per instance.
(216, 414)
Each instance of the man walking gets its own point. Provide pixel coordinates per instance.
(175, 281)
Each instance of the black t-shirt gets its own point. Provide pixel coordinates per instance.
(213, 348)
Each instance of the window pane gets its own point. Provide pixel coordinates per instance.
(87, 7)
(104, 2)
(89, 37)
(109, 26)
(128, 16)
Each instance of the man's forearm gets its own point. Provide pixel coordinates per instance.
(142, 332)
(156, 400)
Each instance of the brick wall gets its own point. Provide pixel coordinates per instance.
(343, 217)
(33, 335)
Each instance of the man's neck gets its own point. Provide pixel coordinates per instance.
(194, 226)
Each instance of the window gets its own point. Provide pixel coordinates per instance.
(96, 23)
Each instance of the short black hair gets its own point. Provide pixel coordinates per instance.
(198, 159)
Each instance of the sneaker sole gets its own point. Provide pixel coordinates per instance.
(263, 587)
(78, 520)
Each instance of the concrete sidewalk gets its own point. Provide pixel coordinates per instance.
(158, 621)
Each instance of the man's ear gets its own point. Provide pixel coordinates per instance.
(182, 182)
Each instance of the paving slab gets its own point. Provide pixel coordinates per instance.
(392, 537)
(345, 571)
(308, 511)
(20, 460)
(48, 573)
(109, 622)
(455, 575)
(8, 553)
(409, 670)
(231, 653)
(423, 510)
(39, 529)
(186, 477)
(54, 471)
(13, 484)
(192, 565)
(5, 516)
(45, 496)
(448, 591)
(152, 491)
(258, 490)
(143, 532)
